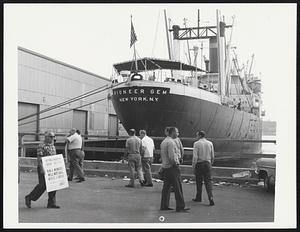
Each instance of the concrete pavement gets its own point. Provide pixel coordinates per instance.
(103, 200)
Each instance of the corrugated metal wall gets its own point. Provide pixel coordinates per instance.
(47, 82)
(25, 109)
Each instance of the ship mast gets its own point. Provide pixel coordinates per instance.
(167, 32)
(221, 50)
(228, 63)
(188, 45)
(219, 54)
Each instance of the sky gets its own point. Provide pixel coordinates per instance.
(95, 36)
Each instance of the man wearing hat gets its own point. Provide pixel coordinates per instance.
(46, 148)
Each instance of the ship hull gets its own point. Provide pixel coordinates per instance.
(153, 108)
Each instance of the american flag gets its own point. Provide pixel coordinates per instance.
(132, 35)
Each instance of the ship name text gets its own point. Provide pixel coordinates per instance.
(140, 91)
(140, 94)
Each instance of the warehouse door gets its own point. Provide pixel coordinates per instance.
(112, 125)
(80, 121)
(32, 126)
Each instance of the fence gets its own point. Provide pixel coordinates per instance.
(188, 151)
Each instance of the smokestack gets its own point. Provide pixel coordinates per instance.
(213, 54)
(176, 31)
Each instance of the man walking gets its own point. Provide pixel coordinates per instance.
(203, 158)
(47, 148)
(134, 150)
(147, 158)
(74, 142)
(170, 165)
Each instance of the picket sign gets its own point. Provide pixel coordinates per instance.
(55, 172)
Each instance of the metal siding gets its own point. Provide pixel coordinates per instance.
(80, 120)
(25, 109)
(112, 125)
(40, 78)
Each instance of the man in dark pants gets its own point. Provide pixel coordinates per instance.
(45, 149)
(203, 157)
(170, 165)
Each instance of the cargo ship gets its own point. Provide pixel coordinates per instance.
(222, 98)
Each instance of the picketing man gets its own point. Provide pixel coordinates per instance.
(46, 148)
(147, 158)
(74, 143)
(171, 172)
(203, 158)
(134, 151)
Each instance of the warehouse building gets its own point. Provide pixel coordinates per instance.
(44, 82)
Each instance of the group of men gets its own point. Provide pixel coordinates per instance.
(75, 156)
(140, 157)
(171, 152)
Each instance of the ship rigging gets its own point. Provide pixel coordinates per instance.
(217, 99)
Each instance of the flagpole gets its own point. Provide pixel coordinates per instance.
(136, 66)
(134, 50)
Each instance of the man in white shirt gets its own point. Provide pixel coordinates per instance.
(203, 158)
(74, 142)
(147, 158)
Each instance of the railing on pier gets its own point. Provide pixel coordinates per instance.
(188, 151)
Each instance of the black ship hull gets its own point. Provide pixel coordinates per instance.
(153, 108)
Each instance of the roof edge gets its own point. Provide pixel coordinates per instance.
(60, 62)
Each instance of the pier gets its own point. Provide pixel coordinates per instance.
(106, 200)
(102, 198)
